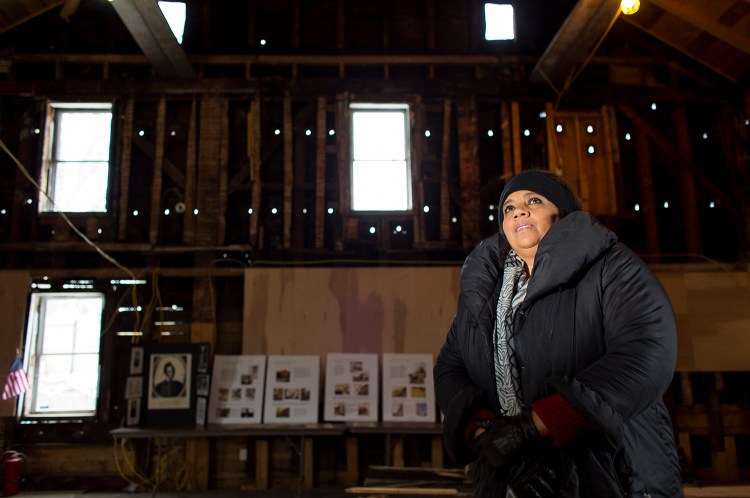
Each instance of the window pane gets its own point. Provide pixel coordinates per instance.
(84, 136)
(67, 383)
(72, 325)
(499, 23)
(81, 187)
(175, 13)
(380, 186)
(379, 136)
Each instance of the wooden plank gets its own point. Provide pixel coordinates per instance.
(320, 172)
(223, 166)
(156, 179)
(197, 460)
(646, 192)
(309, 468)
(507, 140)
(687, 184)
(417, 185)
(445, 204)
(261, 463)
(553, 155)
(352, 461)
(14, 287)
(188, 227)
(437, 452)
(253, 144)
(125, 157)
(618, 184)
(288, 170)
(468, 162)
(377, 490)
(397, 452)
(516, 134)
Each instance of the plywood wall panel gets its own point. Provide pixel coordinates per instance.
(14, 287)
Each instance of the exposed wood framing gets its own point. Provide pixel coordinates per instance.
(156, 179)
(553, 156)
(125, 155)
(468, 144)
(610, 117)
(515, 115)
(188, 228)
(417, 182)
(687, 184)
(343, 128)
(341, 25)
(253, 152)
(646, 192)
(445, 202)
(223, 171)
(213, 110)
(288, 170)
(320, 172)
(507, 140)
(612, 156)
(299, 187)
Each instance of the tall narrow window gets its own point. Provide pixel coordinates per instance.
(175, 14)
(499, 22)
(76, 171)
(63, 342)
(381, 177)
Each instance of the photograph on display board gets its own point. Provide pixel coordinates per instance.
(237, 389)
(134, 387)
(291, 394)
(351, 389)
(134, 412)
(408, 390)
(136, 360)
(169, 381)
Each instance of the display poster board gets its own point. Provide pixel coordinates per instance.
(351, 389)
(408, 388)
(292, 384)
(169, 387)
(237, 389)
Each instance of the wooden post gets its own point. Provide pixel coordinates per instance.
(352, 461)
(507, 140)
(253, 145)
(417, 186)
(320, 173)
(646, 191)
(261, 463)
(553, 155)
(309, 471)
(445, 202)
(437, 452)
(221, 219)
(156, 180)
(288, 170)
(687, 184)
(125, 156)
(197, 458)
(468, 144)
(516, 134)
(188, 228)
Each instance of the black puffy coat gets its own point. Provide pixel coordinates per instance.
(596, 327)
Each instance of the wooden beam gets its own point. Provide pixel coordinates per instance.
(188, 227)
(445, 204)
(223, 163)
(646, 192)
(578, 36)
(125, 156)
(320, 172)
(687, 184)
(288, 170)
(468, 162)
(156, 179)
(507, 140)
(417, 185)
(515, 115)
(149, 28)
(253, 151)
(689, 12)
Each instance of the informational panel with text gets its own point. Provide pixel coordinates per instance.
(408, 389)
(292, 389)
(351, 391)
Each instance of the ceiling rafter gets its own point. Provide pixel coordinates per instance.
(688, 13)
(149, 28)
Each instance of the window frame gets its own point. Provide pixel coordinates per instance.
(405, 109)
(52, 129)
(32, 360)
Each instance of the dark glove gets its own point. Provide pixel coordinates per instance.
(531, 479)
(504, 438)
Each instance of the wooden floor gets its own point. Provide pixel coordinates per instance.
(690, 492)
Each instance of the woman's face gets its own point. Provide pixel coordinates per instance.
(527, 217)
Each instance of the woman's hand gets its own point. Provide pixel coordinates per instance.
(502, 438)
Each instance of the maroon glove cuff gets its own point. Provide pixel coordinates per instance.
(562, 420)
(483, 414)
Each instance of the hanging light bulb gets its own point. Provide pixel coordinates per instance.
(630, 7)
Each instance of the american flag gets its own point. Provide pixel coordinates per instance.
(17, 381)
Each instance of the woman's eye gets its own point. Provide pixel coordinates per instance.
(508, 209)
(535, 200)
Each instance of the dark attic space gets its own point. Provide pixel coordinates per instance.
(321, 247)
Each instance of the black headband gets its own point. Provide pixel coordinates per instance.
(544, 185)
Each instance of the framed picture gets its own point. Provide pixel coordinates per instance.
(291, 393)
(237, 389)
(351, 388)
(133, 416)
(134, 387)
(136, 360)
(408, 389)
(202, 382)
(169, 381)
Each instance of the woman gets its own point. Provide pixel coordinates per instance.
(551, 376)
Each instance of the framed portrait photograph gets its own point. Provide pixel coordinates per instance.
(136, 360)
(134, 387)
(133, 417)
(169, 381)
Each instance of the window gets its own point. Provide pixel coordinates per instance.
(381, 175)
(63, 346)
(174, 13)
(76, 170)
(499, 22)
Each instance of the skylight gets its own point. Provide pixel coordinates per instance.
(499, 22)
(175, 13)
